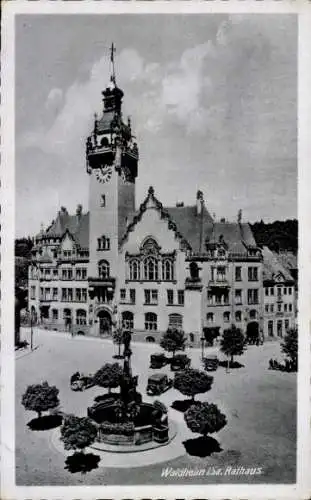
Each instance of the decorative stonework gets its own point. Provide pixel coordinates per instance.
(183, 243)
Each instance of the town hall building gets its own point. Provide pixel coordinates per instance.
(148, 268)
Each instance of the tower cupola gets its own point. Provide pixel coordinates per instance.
(111, 141)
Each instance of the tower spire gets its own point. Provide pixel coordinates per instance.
(113, 73)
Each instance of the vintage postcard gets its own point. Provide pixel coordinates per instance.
(155, 278)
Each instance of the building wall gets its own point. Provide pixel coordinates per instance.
(279, 311)
(224, 314)
(151, 225)
(103, 221)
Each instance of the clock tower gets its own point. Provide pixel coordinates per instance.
(112, 159)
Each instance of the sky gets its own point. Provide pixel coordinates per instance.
(212, 99)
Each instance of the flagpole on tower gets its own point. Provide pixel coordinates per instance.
(112, 52)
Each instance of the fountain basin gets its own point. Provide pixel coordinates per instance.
(149, 425)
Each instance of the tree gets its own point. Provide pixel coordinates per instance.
(205, 418)
(108, 376)
(191, 382)
(290, 347)
(40, 397)
(118, 339)
(77, 432)
(21, 302)
(232, 342)
(173, 340)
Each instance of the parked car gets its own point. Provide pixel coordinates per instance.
(158, 360)
(158, 383)
(180, 362)
(210, 363)
(81, 382)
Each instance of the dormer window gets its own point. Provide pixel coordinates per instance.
(103, 243)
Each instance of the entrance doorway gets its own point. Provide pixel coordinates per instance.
(105, 322)
(252, 332)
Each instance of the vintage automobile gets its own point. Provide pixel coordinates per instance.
(158, 383)
(81, 382)
(210, 363)
(180, 362)
(158, 360)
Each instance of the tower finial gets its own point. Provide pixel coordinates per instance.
(112, 52)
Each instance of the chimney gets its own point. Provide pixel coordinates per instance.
(239, 216)
(222, 220)
(200, 202)
(79, 211)
(179, 204)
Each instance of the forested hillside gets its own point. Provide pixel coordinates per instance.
(23, 248)
(278, 235)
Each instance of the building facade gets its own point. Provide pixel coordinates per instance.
(150, 268)
(279, 295)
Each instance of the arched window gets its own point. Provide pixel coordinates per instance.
(210, 317)
(151, 321)
(151, 269)
(67, 318)
(134, 269)
(103, 243)
(128, 320)
(167, 270)
(104, 142)
(103, 269)
(150, 339)
(238, 316)
(253, 314)
(81, 317)
(54, 314)
(175, 321)
(226, 316)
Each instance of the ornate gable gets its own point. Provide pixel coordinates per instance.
(152, 202)
(279, 277)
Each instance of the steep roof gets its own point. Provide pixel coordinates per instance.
(189, 223)
(272, 266)
(77, 225)
(195, 230)
(289, 260)
(236, 236)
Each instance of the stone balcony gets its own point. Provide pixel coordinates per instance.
(102, 282)
(193, 284)
(219, 283)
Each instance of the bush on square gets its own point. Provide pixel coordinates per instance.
(191, 382)
(77, 432)
(40, 397)
(205, 418)
(108, 376)
(289, 347)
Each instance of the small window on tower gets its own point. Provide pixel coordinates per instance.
(103, 200)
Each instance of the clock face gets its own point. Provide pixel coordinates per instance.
(103, 174)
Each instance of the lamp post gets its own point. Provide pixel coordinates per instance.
(202, 346)
(31, 329)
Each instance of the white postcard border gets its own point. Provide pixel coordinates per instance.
(303, 485)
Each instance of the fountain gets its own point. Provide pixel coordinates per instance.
(124, 419)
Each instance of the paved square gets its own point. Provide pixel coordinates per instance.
(260, 406)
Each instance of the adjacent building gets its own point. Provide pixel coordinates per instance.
(279, 295)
